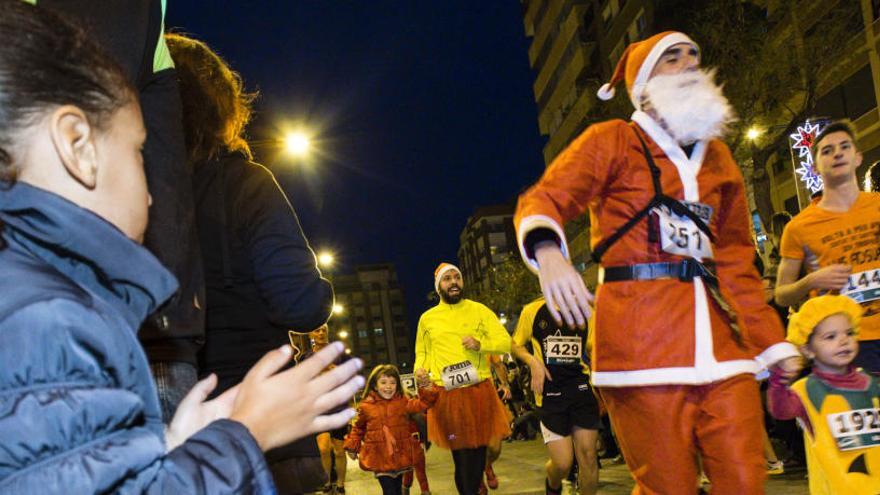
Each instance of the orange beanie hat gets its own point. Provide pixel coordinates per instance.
(637, 62)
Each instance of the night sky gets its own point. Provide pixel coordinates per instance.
(422, 111)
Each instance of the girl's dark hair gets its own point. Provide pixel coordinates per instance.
(380, 371)
(216, 108)
(46, 62)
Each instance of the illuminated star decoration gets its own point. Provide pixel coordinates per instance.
(800, 146)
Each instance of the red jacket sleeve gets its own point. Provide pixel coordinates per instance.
(782, 402)
(426, 399)
(354, 437)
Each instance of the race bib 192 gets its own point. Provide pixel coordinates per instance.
(459, 375)
(856, 429)
(680, 235)
(863, 286)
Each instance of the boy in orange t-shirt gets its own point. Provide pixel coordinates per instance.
(837, 240)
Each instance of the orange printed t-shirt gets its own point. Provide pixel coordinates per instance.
(821, 238)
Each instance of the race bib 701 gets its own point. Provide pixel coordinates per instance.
(459, 375)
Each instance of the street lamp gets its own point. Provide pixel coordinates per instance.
(297, 143)
(342, 334)
(338, 309)
(326, 259)
(754, 133)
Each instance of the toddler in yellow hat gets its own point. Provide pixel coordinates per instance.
(837, 405)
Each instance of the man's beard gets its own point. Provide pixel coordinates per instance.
(689, 105)
(450, 299)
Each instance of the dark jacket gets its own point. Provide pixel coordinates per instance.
(261, 276)
(131, 32)
(78, 408)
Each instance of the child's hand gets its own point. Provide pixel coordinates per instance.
(423, 380)
(790, 367)
(195, 413)
(352, 455)
(284, 407)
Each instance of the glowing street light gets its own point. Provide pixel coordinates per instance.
(326, 259)
(348, 351)
(297, 144)
(754, 133)
(342, 334)
(338, 309)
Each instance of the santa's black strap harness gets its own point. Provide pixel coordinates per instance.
(685, 270)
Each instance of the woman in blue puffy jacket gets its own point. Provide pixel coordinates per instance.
(79, 412)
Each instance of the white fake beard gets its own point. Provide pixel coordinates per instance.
(690, 105)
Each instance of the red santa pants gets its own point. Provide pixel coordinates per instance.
(661, 429)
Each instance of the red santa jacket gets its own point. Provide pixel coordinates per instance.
(663, 331)
(382, 435)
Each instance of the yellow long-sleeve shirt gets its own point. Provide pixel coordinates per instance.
(441, 328)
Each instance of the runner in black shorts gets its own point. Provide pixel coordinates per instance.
(339, 433)
(568, 409)
(331, 443)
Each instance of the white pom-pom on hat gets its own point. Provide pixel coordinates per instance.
(606, 92)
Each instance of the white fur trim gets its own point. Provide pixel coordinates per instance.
(651, 60)
(531, 223)
(449, 266)
(606, 92)
(674, 376)
(776, 353)
(688, 167)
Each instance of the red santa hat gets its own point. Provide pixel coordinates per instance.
(441, 269)
(637, 62)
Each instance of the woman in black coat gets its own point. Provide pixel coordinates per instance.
(261, 275)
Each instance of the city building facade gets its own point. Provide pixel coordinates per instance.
(487, 239)
(370, 316)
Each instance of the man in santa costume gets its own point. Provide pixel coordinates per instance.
(681, 325)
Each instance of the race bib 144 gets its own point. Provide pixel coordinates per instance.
(863, 286)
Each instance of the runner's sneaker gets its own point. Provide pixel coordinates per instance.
(550, 491)
(775, 467)
(491, 479)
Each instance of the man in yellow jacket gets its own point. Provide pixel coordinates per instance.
(453, 344)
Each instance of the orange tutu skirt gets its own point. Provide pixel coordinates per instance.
(467, 418)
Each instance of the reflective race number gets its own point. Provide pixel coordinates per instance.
(856, 429)
(863, 286)
(561, 349)
(459, 375)
(680, 235)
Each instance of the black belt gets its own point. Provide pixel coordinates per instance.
(685, 270)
